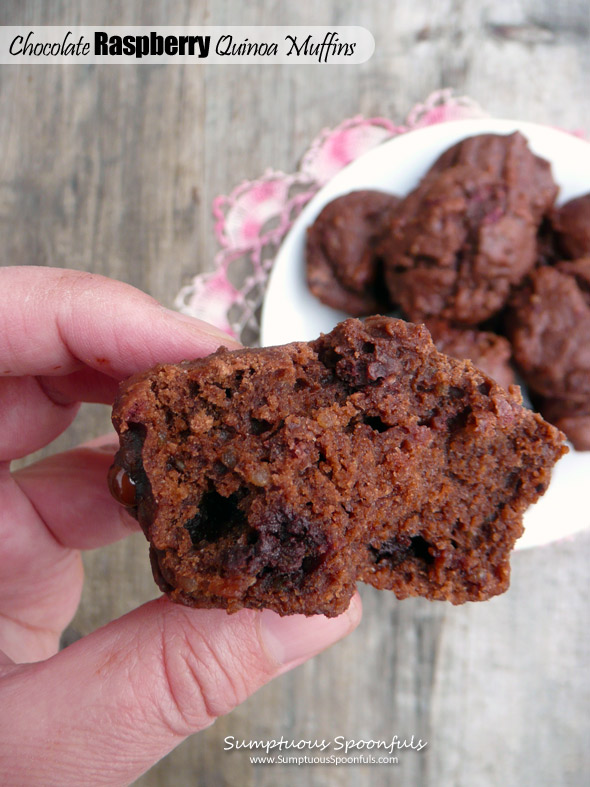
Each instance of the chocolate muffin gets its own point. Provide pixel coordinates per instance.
(548, 324)
(572, 418)
(456, 246)
(508, 157)
(342, 265)
(278, 477)
(571, 225)
(488, 351)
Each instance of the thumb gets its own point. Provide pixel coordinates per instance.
(108, 707)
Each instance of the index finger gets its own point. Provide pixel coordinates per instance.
(67, 336)
(56, 322)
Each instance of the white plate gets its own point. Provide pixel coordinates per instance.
(292, 313)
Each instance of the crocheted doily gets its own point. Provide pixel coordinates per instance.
(252, 221)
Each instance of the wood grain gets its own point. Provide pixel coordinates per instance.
(113, 169)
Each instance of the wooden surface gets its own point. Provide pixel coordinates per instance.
(112, 169)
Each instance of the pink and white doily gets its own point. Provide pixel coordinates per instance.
(252, 221)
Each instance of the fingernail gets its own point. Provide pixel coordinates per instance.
(106, 448)
(108, 444)
(293, 639)
(204, 327)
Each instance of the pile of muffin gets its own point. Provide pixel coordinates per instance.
(479, 253)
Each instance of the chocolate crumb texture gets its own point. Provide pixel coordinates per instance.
(279, 477)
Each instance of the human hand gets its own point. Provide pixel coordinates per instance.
(106, 708)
